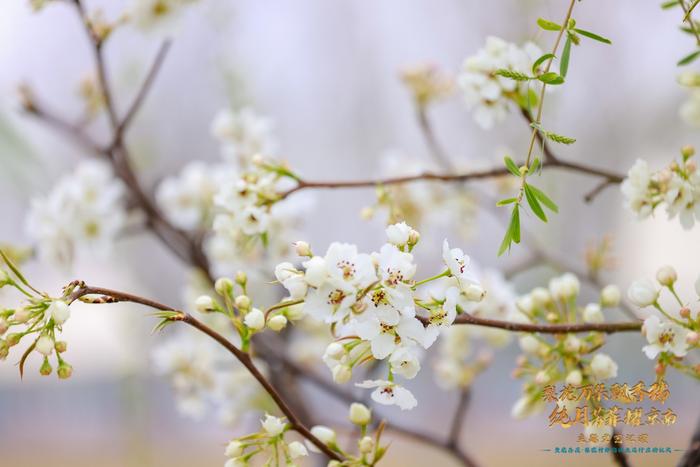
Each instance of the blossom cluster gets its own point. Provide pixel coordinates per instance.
(489, 95)
(564, 358)
(84, 210)
(369, 302)
(671, 336)
(676, 186)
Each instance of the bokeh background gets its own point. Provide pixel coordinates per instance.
(327, 73)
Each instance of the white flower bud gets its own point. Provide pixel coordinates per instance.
(236, 462)
(525, 304)
(593, 314)
(296, 449)
(295, 312)
(44, 345)
(335, 350)
(574, 378)
(316, 271)
(59, 311)
(666, 276)
(474, 292)
(223, 286)
(529, 344)
(572, 344)
(603, 367)
(254, 319)
(273, 426)
(540, 296)
(342, 374)
(234, 449)
(413, 238)
(241, 278)
(21, 315)
(360, 414)
(302, 249)
(643, 293)
(277, 323)
(204, 304)
(571, 285)
(398, 234)
(324, 434)
(4, 326)
(365, 445)
(242, 302)
(542, 377)
(692, 338)
(610, 296)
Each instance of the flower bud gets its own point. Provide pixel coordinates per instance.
(413, 238)
(223, 286)
(603, 367)
(254, 319)
(529, 344)
(303, 249)
(4, 350)
(542, 377)
(277, 323)
(241, 278)
(296, 449)
(61, 346)
(572, 344)
(21, 315)
(692, 338)
(64, 370)
(335, 350)
(13, 339)
(59, 311)
(610, 296)
(525, 304)
(234, 449)
(574, 378)
(4, 326)
(360, 414)
(643, 293)
(593, 314)
(688, 151)
(684, 312)
(324, 434)
(45, 369)
(294, 312)
(365, 445)
(273, 426)
(367, 213)
(44, 345)
(666, 276)
(474, 292)
(342, 374)
(540, 296)
(398, 234)
(204, 304)
(242, 302)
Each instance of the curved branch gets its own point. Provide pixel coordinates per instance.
(117, 296)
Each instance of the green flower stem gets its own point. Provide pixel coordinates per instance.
(445, 273)
(661, 310)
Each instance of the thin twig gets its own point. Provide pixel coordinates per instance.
(244, 358)
(607, 328)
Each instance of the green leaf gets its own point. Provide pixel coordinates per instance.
(14, 269)
(557, 138)
(548, 25)
(529, 100)
(511, 166)
(512, 74)
(534, 204)
(515, 224)
(690, 9)
(535, 165)
(506, 201)
(551, 78)
(566, 54)
(544, 199)
(670, 4)
(688, 58)
(505, 243)
(539, 61)
(592, 35)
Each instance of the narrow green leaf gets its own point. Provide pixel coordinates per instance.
(559, 138)
(534, 204)
(535, 165)
(511, 166)
(14, 269)
(506, 201)
(688, 58)
(594, 36)
(544, 199)
(515, 224)
(548, 25)
(539, 61)
(551, 78)
(690, 9)
(505, 244)
(512, 74)
(566, 54)
(670, 4)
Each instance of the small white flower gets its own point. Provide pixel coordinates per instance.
(204, 303)
(635, 189)
(643, 293)
(666, 276)
(389, 393)
(234, 449)
(273, 426)
(296, 449)
(324, 434)
(254, 319)
(360, 414)
(315, 271)
(44, 345)
(564, 287)
(385, 337)
(572, 343)
(292, 280)
(404, 362)
(610, 296)
(603, 367)
(277, 323)
(529, 344)
(397, 234)
(236, 462)
(574, 378)
(243, 134)
(458, 264)
(59, 311)
(664, 336)
(302, 248)
(592, 313)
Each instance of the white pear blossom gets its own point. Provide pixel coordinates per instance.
(254, 319)
(84, 210)
(592, 313)
(487, 94)
(398, 234)
(160, 17)
(273, 426)
(635, 189)
(243, 134)
(59, 311)
(389, 393)
(603, 367)
(404, 362)
(44, 345)
(643, 293)
(458, 264)
(610, 296)
(664, 336)
(386, 338)
(297, 449)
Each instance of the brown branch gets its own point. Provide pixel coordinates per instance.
(619, 457)
(608, 328)
(244, 358)
(691, 458)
